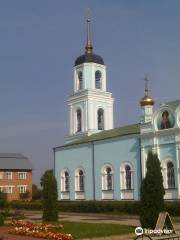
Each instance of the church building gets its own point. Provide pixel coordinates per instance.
(100, 162)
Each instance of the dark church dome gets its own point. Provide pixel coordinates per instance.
(89, 57)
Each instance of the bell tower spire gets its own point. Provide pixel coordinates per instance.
(146, 86)
(89, 46)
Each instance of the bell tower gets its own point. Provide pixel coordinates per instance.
(146, 104)
(90, 106)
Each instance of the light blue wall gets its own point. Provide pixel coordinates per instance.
(113, 151)
(167, 139)
(72, 158)
(168, 150)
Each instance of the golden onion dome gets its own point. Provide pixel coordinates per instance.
(146, 100)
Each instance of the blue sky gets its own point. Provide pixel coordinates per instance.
(39, 42)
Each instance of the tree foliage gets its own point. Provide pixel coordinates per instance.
(1, 220)
(47, 172)
(36, 192)
(49, 192)
(3, 199)
(152, 192)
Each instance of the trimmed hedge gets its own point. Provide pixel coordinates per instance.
(100, 207)
(26, 205)
(83, 206)
(119, 207)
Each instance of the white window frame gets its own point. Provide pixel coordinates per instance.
(8, 175)
(123, 184)
(9, 189)
(103, 120)
(76, 120)
(77, 180)
(22, 175)
(98, 85)
(63, 181)
(172, 184)
(79, 81)
(22, 188)
(104, 181)
(164, 172)
(1, 175)
(6, 189)
(2, 189)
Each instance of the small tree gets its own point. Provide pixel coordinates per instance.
(1, 220)
(47, 172)
(152, 192)
(36, 192)
(3, 199)
(49, 192)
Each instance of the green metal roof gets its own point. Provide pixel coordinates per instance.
(173, 104)
(112, 133)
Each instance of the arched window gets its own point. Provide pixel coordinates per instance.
(80, 80)
(79, 180)
(170, 175)
(79, 120)
(100, 119)
(65, 181)
(98, 79)
(128, 177)
(107, 178)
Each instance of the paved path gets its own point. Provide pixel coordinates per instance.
(89, 217)
(132, 220)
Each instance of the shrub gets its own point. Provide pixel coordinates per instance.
(30, 205)
(1, 220)
(119, 207)
(36, 192)
(152, 192)
(6, 212)
(50, 208)
(3, 199)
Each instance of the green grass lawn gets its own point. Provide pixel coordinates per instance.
(88, 230)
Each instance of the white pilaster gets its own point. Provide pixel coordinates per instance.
(143, 162)
(178, 169)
